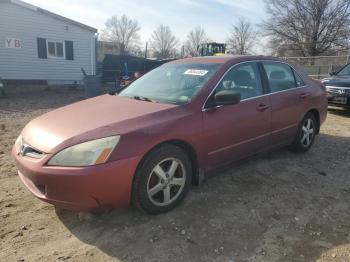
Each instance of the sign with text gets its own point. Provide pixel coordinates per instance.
(13, 43)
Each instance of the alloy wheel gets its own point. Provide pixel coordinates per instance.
(308, 132)
(166, 182)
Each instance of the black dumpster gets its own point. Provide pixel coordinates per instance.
(92, 85)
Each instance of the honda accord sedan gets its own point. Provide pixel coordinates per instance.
(167, 130)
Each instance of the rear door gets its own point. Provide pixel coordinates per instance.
(289, 101)
(236, 131)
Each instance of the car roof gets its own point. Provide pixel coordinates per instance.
(222, 59)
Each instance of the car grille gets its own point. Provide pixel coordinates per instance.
(27, 150)
(339, 90)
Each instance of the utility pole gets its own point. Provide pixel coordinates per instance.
(144, 61)
(146, 50)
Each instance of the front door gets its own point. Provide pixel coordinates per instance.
(236, 131)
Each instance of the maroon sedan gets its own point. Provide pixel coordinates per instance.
(166, 131)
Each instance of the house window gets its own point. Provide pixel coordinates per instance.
(51, 49)
(55, 49)
(59, 50)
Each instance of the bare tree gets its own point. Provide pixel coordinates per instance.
(308, 27)
(242, 37)
(194, 39)
(163, 42)
(123, 31)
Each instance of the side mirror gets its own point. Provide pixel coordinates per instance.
(227, 97)
(333, 73)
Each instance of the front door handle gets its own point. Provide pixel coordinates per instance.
(262, 107)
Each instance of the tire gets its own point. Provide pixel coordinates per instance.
(304, 139)
(162, 180)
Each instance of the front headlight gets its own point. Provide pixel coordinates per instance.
(86, 154)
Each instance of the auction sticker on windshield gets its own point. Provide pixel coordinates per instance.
(196, 72)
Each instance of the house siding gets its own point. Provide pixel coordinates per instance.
(28, 25)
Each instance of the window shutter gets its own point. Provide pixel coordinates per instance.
(42, 53)
(69, 50)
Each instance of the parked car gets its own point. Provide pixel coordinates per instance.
(2, 89)
(338, 87)
(168, 130)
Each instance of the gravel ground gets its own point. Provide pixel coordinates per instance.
(278, 206)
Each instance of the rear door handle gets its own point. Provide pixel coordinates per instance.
(262, 107)
(304, 95)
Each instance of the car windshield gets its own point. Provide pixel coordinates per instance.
(345, 71)
(171, 83)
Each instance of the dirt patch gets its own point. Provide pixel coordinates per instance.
(276, 207)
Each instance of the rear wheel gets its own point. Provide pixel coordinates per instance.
(305, 136)
(162, 180)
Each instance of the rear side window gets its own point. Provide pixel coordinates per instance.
(280, 76)
(298, 80)
(244, 79)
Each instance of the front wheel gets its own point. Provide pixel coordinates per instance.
(305, 136)
(162, 180)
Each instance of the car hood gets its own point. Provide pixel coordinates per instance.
(337, 81)
(94, 118)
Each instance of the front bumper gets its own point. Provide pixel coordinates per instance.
(78, 188)
(338, 96)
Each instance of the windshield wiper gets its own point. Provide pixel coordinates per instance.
(142, 98)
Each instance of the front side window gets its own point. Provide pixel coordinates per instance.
(55, 49)
(172, 83)
(280, 76)
(244, 79)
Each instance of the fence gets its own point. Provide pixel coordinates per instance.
(319, 66)
(114, 66)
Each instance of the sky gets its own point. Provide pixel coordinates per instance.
(215, 16)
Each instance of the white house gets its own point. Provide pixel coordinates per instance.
(36, 44)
